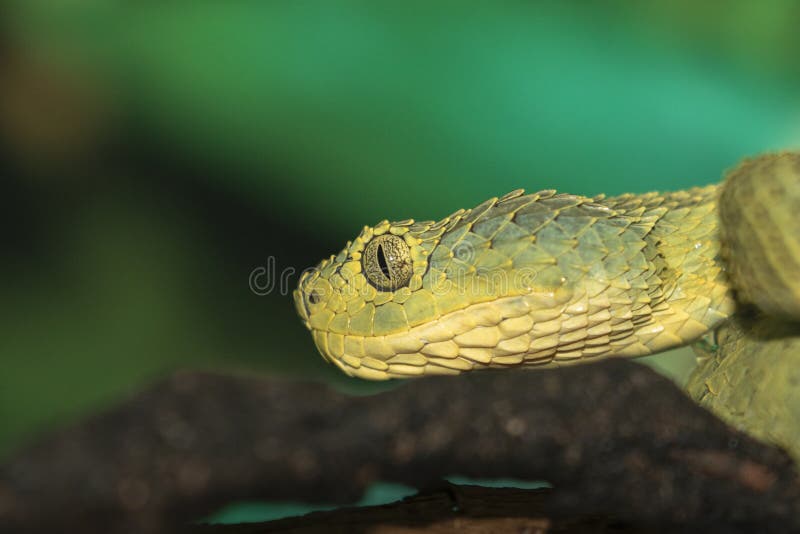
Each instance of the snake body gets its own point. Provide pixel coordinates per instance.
(750, 379)
(525, 279)
(760, 231)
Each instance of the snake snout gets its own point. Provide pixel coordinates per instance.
(311, 298)
(301, 306)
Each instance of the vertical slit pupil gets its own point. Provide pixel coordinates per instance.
(382, 262)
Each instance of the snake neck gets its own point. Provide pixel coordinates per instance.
(689, 293)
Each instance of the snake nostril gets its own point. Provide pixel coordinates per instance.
(314, 297)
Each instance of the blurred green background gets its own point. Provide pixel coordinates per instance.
(156, 154)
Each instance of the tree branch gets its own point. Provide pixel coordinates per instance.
(613, 438)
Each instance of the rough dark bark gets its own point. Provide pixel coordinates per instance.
(462, 509)
(614, 438)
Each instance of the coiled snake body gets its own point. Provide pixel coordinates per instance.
(548, 279)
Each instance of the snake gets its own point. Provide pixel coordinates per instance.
(547, 279)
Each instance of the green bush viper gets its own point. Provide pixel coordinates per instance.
(548, 279)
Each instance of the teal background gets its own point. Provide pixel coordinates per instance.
(159, 153)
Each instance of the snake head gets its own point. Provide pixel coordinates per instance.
(520, 280)
(411, 298)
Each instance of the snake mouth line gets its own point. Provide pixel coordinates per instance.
(529, 330)
(511, 331)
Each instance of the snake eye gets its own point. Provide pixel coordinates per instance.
(387, 262)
